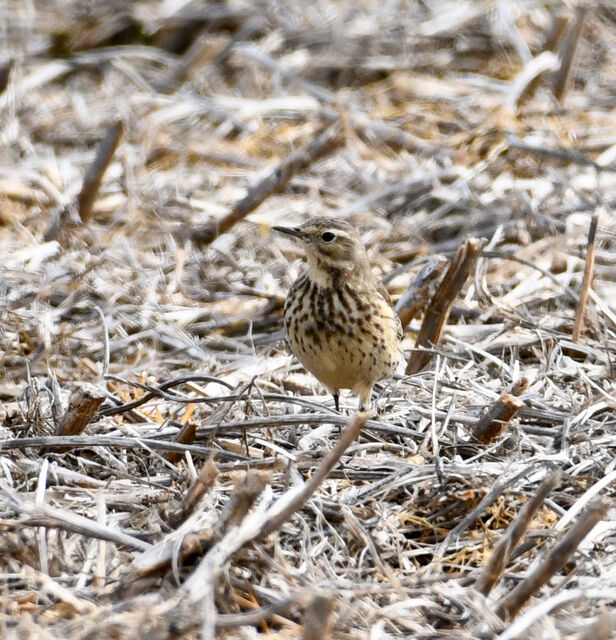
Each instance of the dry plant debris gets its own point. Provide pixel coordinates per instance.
(167, 469)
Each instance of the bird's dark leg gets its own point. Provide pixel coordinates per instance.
(336, 401)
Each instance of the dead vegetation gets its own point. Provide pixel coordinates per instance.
(147, 148)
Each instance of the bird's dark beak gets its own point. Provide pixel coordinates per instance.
(290, 231)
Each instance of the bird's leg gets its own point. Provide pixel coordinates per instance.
(365, 399)
(336, 395)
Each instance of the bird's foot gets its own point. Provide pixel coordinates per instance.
(369, 409)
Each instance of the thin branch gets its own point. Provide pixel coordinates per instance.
(555, 560)
(295, 162)
(505, 547)
(497, 415)
(44, 515)
(567, 53)
(440, 305)
(203, 483)
(82, 408)
(199, 586)
(551, 42)
(123, 442)
(94, 176)
(497, 490)
(346, 438)
(589, 268)
(159, 392)
(416, 296)
(319, 618)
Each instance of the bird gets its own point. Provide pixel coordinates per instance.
(339, 318)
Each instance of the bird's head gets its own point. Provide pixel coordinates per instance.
(332, 247)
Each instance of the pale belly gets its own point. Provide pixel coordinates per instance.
(352, 353)
(340, 363)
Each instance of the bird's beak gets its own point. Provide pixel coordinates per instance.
(290, 231)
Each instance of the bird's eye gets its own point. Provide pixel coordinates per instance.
(328, 236)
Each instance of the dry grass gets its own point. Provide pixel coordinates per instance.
(444, 135)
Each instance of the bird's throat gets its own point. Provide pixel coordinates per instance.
(325, 274)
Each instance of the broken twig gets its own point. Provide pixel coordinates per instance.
(496, 417)
(203, 483)
(416, 295)
(567, 53)
(94, 175)
(186, 435)
(503, 550)
(318, 619)
(554, 561)
(589, 268)
(82, 407)
(440, 305)
(296, 161)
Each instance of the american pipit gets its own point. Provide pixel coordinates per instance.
(338, 315)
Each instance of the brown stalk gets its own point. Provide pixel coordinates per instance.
(203, 483)
(499, 414)
(246, 492)
(318, 619)
(415, 297)
(503, 550)
(94, 175)
(295, 162)
(567, 53)
(440, 305)
(552, 40)
(559, 554)
(82, 407)
(556, 33)
(589, 268)
(248, 488)
(186, 435)
(199, 584)
(5, 74)
(257, 615)
(519, 387)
